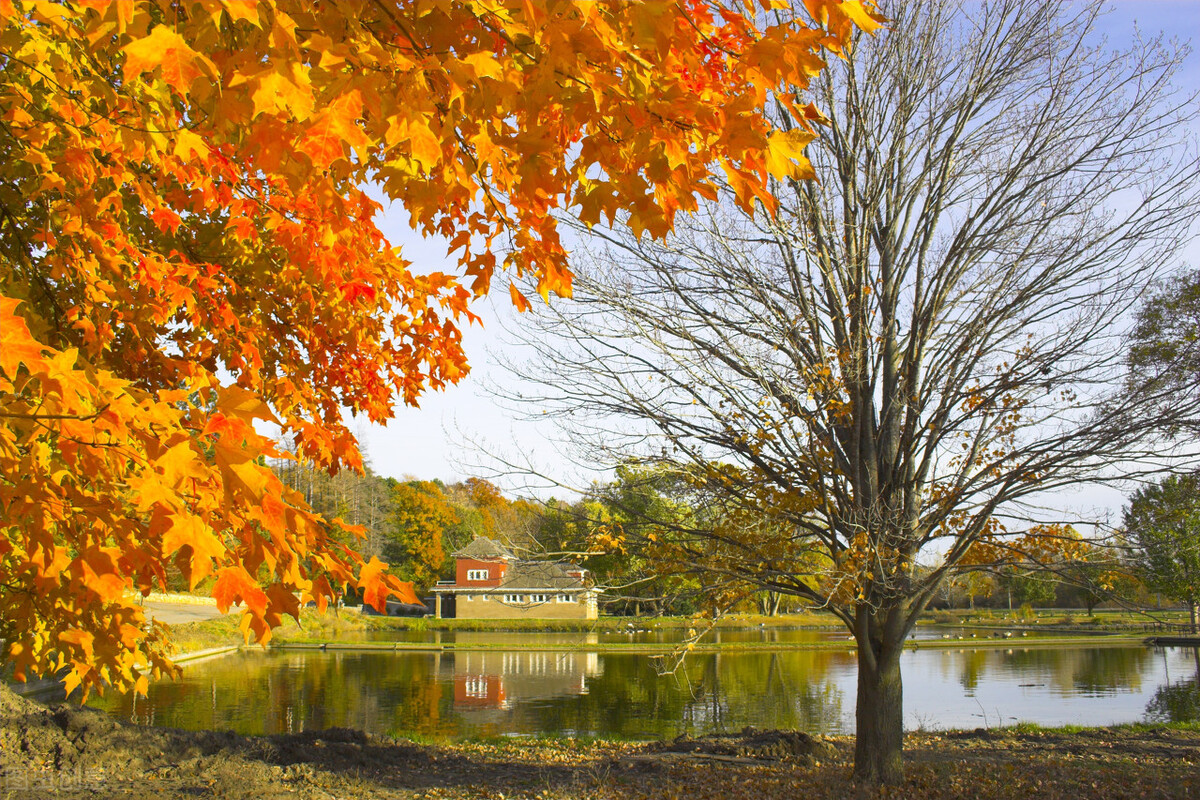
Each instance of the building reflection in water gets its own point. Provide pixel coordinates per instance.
(489, 680)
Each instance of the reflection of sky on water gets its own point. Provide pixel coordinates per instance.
(1082, 686)
(494, 692)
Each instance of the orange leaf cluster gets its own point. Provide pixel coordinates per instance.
(190, 250)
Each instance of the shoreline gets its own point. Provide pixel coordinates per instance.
(347, 624)
(636, 648)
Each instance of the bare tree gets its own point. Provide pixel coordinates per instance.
(920, 345)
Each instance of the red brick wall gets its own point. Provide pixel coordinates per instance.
(495, 572)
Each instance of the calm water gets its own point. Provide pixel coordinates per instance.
(601, 694)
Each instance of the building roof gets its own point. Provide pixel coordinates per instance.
(482, 549)
(541, 575)
(522, 575)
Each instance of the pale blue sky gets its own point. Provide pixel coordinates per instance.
(434, 441)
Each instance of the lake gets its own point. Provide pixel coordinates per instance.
(604, 694)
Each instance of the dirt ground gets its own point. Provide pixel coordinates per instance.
(65, 751)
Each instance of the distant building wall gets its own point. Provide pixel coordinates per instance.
(466, 566)
(494, 606)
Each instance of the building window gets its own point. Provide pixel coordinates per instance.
(477, 574)
(564, 598)
(540, 598)
(514, 598)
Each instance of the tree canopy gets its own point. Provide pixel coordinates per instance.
(189, 250)
(1162, 528)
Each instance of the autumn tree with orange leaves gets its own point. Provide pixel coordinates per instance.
(189, 250)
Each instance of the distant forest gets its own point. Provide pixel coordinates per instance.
(416, 526)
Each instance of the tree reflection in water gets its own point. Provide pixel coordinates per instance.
(1179, 701)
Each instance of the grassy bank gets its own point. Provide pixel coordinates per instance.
(644, 648)
(611, 623)
(1055, 618)
(349, 623)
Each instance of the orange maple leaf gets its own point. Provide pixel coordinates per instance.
(234, 584)
(374, 587)
(335, 127)
(167, 51)
(17, 345)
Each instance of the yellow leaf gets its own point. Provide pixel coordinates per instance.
(278, 92)
(168, 52)
(71, 681)
(180, 463)
(485, 65)
(245, 405)
(858, 15)
(425, 147)
(81, 639)
(785, 154)
(242, 10)
(188, 145)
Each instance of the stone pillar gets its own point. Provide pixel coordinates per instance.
(437, 605)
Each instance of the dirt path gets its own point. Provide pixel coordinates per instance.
(179, 613)
(64, 751)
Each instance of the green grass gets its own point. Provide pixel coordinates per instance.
(1051, 618)
(811, 620)
(225, 631)
(1143, 727)
(190, 637)
(1035, 728)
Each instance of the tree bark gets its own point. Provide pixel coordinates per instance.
(768, 603)
(879, 737)
(1193, 607)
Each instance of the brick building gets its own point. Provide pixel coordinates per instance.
(492, 583)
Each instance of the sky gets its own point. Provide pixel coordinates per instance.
(450, 435)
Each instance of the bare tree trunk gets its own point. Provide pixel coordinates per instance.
(768, 603)
(1193, 607)
(879, 734)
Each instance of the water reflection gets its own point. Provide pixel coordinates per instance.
(498, 692)
(1178, 701)
(490, 680)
